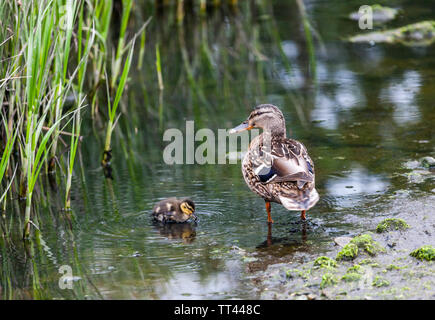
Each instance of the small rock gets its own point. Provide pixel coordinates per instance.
(380, 14)
(428, 162)
(326, 293)
(417, 34)
(342, 241)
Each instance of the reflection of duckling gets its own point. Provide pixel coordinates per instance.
(183, 231)
(174, 210)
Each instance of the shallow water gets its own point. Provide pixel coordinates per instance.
(364, 112)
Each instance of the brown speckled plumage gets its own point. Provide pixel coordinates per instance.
(171, 210)
(278, 169)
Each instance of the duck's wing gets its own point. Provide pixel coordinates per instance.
(286, 160)
(167, 207)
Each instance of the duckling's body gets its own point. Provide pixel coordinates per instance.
(174, 210)
(278, 169)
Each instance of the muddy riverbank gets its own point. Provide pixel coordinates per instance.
(390, 273)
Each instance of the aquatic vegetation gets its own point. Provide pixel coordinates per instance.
(355, 268)
(42, 61)
(353, 273)
(380, 282)
(392, 267)
(351, 276)
(233, 61)
(328, 279)
(4, 163)
(349, 252)
(44, 86)
(417, 34)
(366, 243)
(391, 224)
(366, 262)
(325, 262)
(111, 108)
(359, 244)
(118, 82)
(424, 253)
(292, 273)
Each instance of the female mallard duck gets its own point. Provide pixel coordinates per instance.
(174, 210)
(276, 168)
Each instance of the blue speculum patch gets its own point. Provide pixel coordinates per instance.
(266, 173)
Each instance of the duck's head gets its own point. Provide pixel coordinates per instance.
(188, 207)
(264, 116)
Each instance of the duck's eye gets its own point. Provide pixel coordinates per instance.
(186, 208)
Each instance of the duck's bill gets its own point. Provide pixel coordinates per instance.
(195, 218)
(241, 127)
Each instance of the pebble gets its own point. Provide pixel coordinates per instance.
(342, 241)
(427, 162)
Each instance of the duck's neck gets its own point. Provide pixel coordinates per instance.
(274, 132)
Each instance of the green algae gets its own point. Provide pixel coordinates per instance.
(353, 273)
(391, 224)
(366, 261)
(392, 267)
(294, 273)
(325, 262)
(380, 282)
(349, 252)
(351, 276)
(424, 253)
(355, 269)
(416, 34)
(365, 242)
(361, 243)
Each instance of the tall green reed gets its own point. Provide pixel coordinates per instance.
(118, 82)
(41, 71)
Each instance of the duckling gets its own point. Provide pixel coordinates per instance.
(278, 169)
(174, 210)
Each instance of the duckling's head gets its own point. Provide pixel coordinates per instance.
(187, 207)
(264, 116)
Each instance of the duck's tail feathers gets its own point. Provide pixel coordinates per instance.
(307, 201)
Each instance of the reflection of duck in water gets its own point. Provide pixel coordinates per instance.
(184, 231)
(278, 169)
(174, 210)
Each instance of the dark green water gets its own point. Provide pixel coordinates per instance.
(363, 111)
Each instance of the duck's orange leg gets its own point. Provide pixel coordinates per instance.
(303, 217)
(269, 234)
(269, 217)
